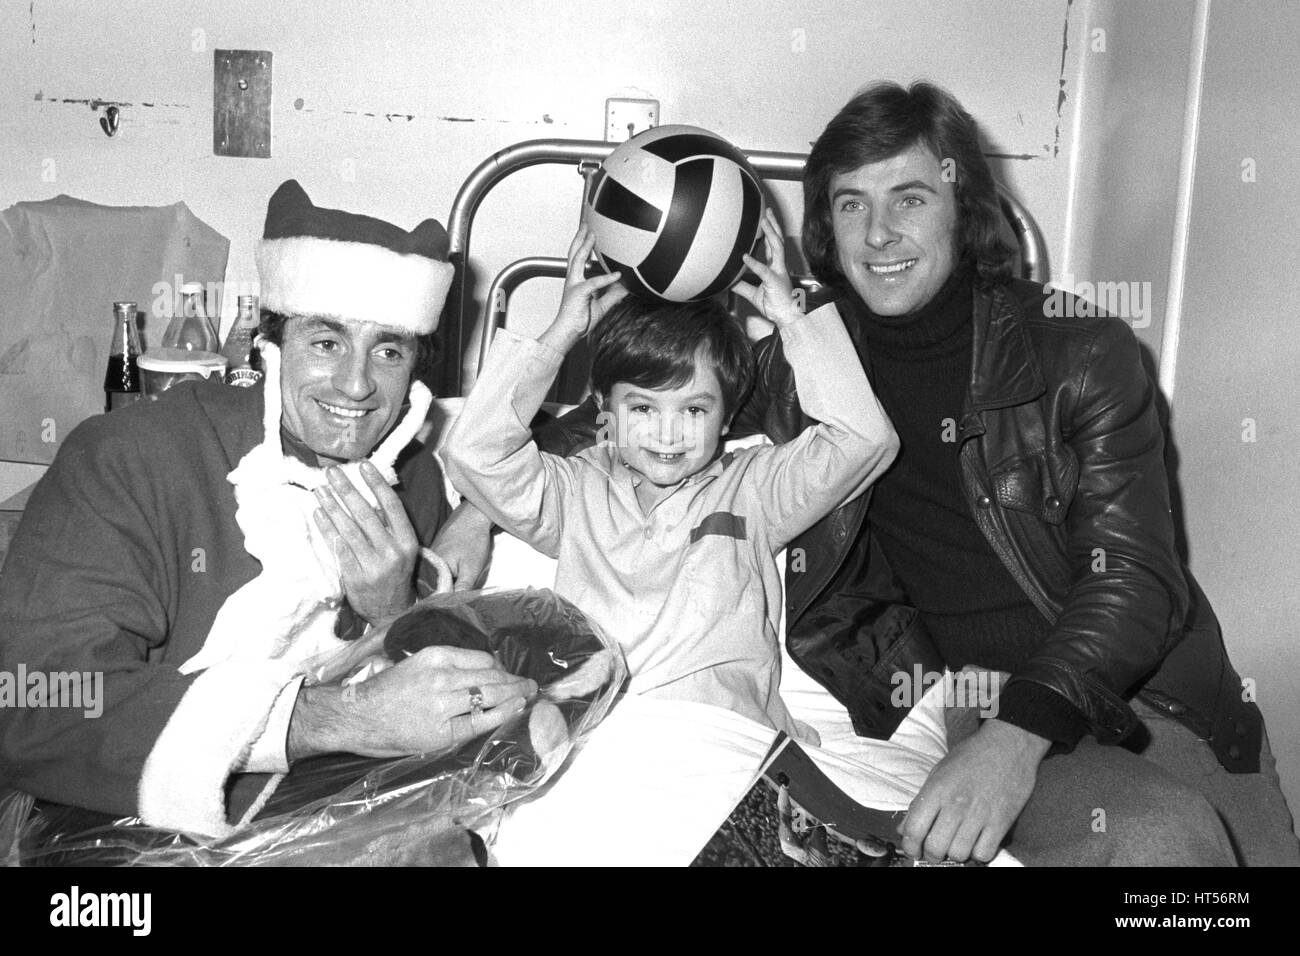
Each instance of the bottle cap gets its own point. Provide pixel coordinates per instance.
(189, 288)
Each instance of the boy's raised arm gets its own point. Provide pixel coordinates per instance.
(489, 453)
(853, 442)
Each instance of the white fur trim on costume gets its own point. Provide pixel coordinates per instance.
(256, 806)
(184, 779)
(288, 611)
(265, 632)
(304, 275)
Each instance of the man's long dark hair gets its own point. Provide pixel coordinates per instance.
(880, 122)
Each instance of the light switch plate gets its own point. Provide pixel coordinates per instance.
(624, 118)
(241, 103)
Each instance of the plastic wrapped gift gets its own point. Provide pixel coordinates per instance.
(417, 810)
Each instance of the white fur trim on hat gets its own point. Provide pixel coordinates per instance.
(305, 275)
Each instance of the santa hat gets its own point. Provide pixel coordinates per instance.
(342, 265)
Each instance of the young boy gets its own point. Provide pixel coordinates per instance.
(666, 543)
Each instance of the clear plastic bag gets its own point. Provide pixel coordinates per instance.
(15, 807)
(347, 810)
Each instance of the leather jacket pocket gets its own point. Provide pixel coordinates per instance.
(856, 658)
(1031, 486)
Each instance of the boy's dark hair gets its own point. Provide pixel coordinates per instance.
(653, 344)
(879, 123)
(272, 325)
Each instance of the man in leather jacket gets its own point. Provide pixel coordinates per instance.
(1024, 531)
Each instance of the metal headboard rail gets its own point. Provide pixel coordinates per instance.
(538, 267)
(498, 298)
(769, 165)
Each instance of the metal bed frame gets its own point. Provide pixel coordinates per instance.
(587, 155)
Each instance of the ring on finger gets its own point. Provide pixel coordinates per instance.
(476, 700)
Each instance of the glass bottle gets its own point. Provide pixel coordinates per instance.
(122, 377)
(239, 350)
(190, 330)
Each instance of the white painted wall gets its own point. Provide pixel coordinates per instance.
(1238, 358)
(1126, 133)
(767, 79)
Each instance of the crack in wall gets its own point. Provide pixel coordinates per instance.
(1060, 80)
(95, 102)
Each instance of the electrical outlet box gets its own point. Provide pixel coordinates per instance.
(625, 118)
(241, 103)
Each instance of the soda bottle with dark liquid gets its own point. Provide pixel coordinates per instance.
(122, 378)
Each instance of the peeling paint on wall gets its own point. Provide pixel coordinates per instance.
(409, 117)
(1060, 80)
(95, 102)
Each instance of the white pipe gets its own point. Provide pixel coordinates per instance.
(1183, 212)
(1084, 84)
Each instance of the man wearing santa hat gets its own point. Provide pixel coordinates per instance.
(207, 551)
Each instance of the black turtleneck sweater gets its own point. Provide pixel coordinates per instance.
(920, 367)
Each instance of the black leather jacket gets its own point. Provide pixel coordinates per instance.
(1062, 464)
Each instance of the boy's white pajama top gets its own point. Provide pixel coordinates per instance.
(691, 590)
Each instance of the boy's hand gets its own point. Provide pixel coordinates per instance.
(775, 300)
(464, 542)
(582, 306)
